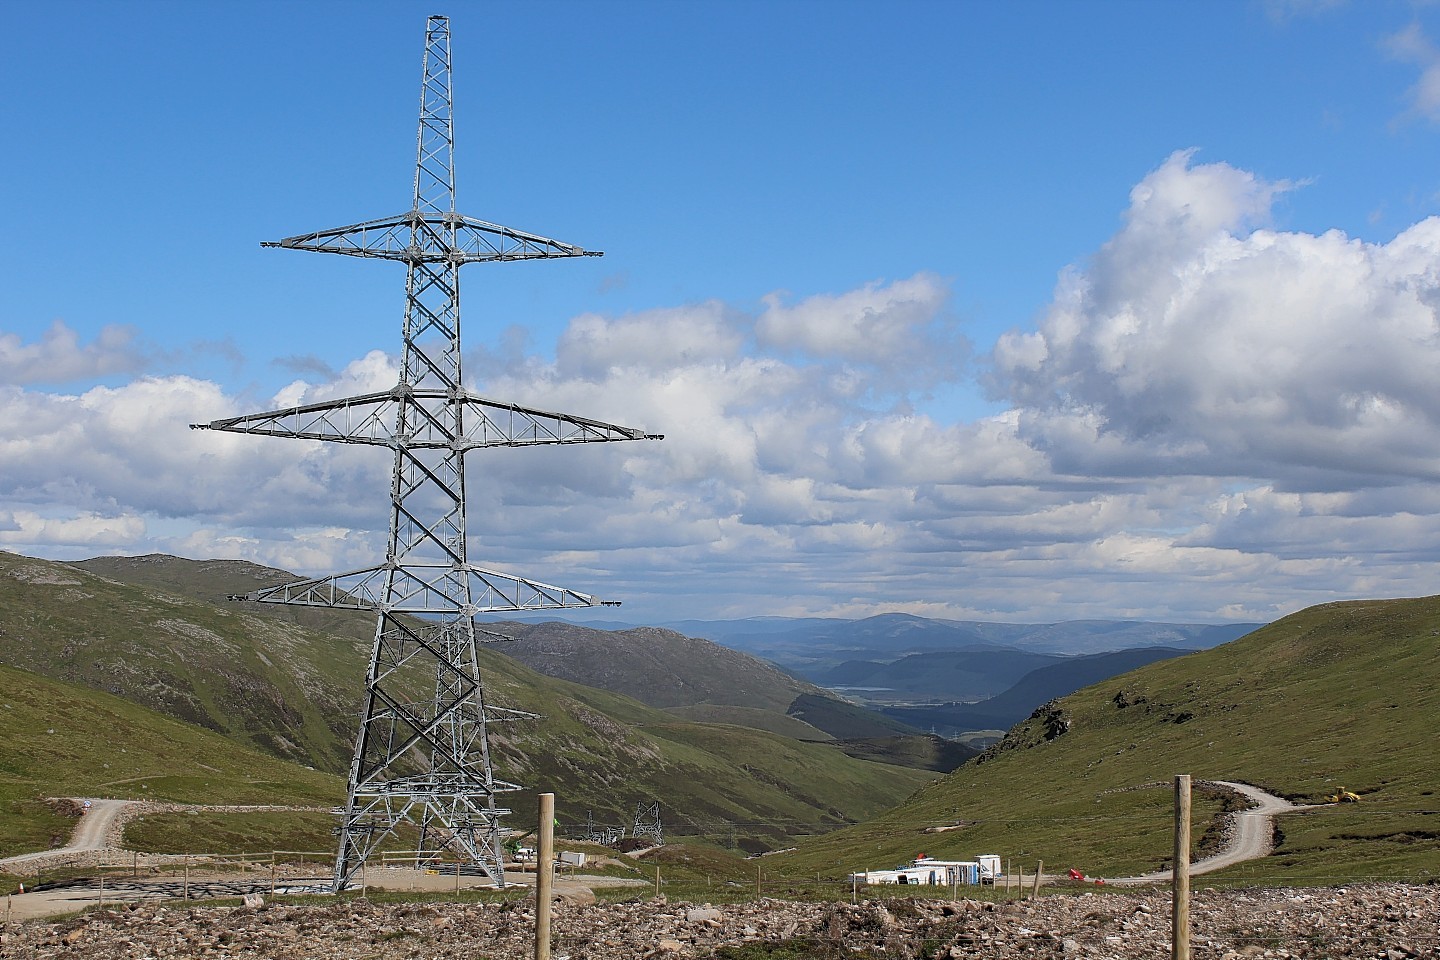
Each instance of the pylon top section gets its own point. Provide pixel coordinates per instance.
(431, 231)
(435, 160)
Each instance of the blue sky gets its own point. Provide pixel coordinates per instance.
(1006, 310)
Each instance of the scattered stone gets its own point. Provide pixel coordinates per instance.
(1384, 921)
(577, 896)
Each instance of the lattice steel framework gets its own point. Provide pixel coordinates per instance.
(422, 754)
(647, 821)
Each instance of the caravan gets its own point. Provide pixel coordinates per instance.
(928, 871)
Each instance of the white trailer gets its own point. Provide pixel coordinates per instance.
(928, 871)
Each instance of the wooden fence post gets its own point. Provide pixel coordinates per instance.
(1039, 872)
(1180, 872)
(544, 860)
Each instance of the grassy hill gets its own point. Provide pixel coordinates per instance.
(846, 721)
(61, 739)
(697, 679)
(655, 666)
(925, 752)
(261, 680)
(1343, 694)
(268, 679)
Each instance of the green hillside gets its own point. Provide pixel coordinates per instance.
(64, 740)
(268, 681)
(603, 752)
(697, 679)
(260, 680)
(655, 666)
(783, 724)
(1343, 694)
(846, 721)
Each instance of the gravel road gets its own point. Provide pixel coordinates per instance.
(1250, 838)
(91, 832)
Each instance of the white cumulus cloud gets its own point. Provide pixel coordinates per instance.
(1212, 418)
(1194, 343)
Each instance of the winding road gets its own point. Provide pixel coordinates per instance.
(91, 832)
(1250, 841)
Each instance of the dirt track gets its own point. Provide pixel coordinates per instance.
(91, 832)
(1250, 838)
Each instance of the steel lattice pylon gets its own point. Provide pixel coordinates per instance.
(647, 821)
(422, 753)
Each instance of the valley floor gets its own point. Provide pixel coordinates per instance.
(1392, 921)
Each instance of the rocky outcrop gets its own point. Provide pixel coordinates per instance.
(1390, 921)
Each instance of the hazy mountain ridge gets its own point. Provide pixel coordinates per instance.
(1057, 679)
(814, 644)
(973, 674)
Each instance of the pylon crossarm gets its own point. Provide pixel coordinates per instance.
(493, 423)
(459, 791)
(494, 592)
(415, 237)
(364, 419)
(371, 418)
(416, 588)
(498, 714)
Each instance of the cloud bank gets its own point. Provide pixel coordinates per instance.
(1212, 419)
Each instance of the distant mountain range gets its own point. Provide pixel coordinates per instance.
(950, 676)
(1045, 683)
(804, 645)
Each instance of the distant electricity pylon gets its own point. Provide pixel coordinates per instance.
(647, 821)
(422, 754)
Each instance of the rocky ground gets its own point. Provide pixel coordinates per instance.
(1382, 921)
